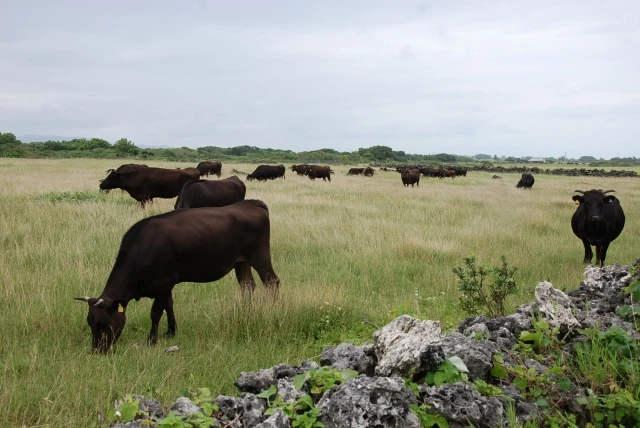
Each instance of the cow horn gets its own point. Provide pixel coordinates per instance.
(83, 298)
(579, 191)
(607, 191)
(109, 171)
(99, 303)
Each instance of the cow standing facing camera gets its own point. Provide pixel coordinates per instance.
(598, 220)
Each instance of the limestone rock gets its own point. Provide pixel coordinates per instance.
(405, 345)
(368, 402)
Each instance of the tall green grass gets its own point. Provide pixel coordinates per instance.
(351, 250)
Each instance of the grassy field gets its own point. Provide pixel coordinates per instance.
(351, 250)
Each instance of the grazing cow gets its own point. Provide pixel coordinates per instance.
(410, 177)
(459, 171)
(129, 167)
(158, 252)
(317, 171)
(144, 184)
(496, 177)
(598, 220)
(207, 193)
(267, 172)
(448, 173)
(368, 172)
(431, 172)
(526, 182)
(300, 169)
(210, 167)
(355, 171)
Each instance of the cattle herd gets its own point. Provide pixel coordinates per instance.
(214, 230)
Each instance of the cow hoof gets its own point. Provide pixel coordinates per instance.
(152, 341)
(170, 334)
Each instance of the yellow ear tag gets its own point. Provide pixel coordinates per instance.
(577, 202)
(120, 308)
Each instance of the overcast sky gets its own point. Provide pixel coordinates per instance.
(536, 78)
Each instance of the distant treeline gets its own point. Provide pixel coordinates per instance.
(98, 148)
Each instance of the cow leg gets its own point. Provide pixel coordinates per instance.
(157, 309)
(261, 262)
(588, 253)
(245, 278)
(601, 253)
(171, 317)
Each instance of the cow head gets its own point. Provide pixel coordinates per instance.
(112, 181)
(106, 319)
(250, 177)
(592, 202)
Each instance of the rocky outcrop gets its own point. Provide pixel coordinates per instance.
(368, 402)
(410, 348)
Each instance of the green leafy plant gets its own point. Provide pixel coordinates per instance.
(204, 399)
(323, 379)
(303, 412)
(478, 295)
(193, 420)
(428, 419)
(545, 389)
(487, 389)
(127, 410)
(498, 370)
(541, 343)
(633, 289)
(618, 410)
(451, 370)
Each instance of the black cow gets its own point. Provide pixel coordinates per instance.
(431, 172)
(144, 184)
(158, 252)
(410, 177)
(368, 172)
(267, 172)
(461, 172)
(300, 169)
(318, 171)
(526, 181)
(598, 220)
(355, 171)
(129, 167)
(207, 193)
(210, 167)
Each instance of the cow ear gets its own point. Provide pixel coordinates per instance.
(608, 199)
(578, 199)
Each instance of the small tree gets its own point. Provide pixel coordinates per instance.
(125, 147)
(482, 298)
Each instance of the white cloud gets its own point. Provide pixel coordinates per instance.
(514, 78)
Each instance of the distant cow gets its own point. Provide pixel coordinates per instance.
(431, 172)
(207, 193)
(526, 182)
(210, 167)
(144, 184)
(317, 171)
(158, 252)
(410, 177)
(267, 172)
(598, 220)
(368, 172)
(448, 173)
(300, 169)
(496, 177)
(461, 172)
(355, 171)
